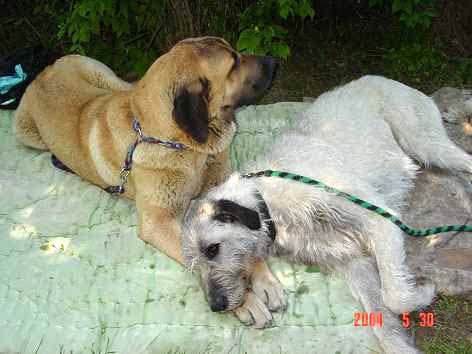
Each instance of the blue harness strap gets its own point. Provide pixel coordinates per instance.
(128, 163)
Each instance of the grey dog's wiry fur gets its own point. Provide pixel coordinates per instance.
(361, 138)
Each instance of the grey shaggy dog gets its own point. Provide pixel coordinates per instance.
(362, 138)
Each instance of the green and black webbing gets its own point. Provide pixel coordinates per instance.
(362, 203)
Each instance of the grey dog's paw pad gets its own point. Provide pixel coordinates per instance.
(253, 312)
(271, 292)
(275, 300)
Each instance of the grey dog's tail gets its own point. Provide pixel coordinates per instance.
(454, 104)
(425, 138)
(460, 185)
(422, 135)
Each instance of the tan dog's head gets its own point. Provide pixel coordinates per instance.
(191, 92)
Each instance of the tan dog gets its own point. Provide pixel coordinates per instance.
(82, 112)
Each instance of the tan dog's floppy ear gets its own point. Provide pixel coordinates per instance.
(191, 110)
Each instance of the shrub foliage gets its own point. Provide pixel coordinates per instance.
(129, 34)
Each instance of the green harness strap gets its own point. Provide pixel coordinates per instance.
(366, 205)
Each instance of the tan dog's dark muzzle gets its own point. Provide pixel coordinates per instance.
(262, 74)
(269, 69)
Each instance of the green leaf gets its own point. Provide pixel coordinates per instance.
(267, 33)
(373, 3)
(285, 8)
(430, 13)
(124, 8)
(75, 37)
(402, 6)
(62, 31)
(82, 9)
(304, 9)
(95, 25)
(70, 29)
(280, 50)
(84, 35)
(249, 40)
(279, 31)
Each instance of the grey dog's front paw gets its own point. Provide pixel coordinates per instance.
(268, 288)
(254, 312)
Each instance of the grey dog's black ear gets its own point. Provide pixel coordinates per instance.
(191, 109)
(230, 212)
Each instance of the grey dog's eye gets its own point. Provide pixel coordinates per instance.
(212, 250)
(226, 218)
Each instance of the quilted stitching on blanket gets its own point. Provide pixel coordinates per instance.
(74, 277)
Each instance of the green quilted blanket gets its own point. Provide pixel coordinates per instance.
(74, 277)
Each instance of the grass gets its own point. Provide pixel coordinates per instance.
(452, 330)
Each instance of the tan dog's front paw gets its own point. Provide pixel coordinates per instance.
(253, 312)
(268, 288)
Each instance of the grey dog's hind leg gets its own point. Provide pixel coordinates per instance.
(363, 279)
(399, 290)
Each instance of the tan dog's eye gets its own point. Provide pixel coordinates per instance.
(212, 250)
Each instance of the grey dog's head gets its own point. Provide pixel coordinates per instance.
(224, 233)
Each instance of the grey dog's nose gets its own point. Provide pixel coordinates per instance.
(219, 303)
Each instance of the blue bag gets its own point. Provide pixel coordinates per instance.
(7, 82)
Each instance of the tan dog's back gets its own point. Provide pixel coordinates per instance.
(59, 96)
